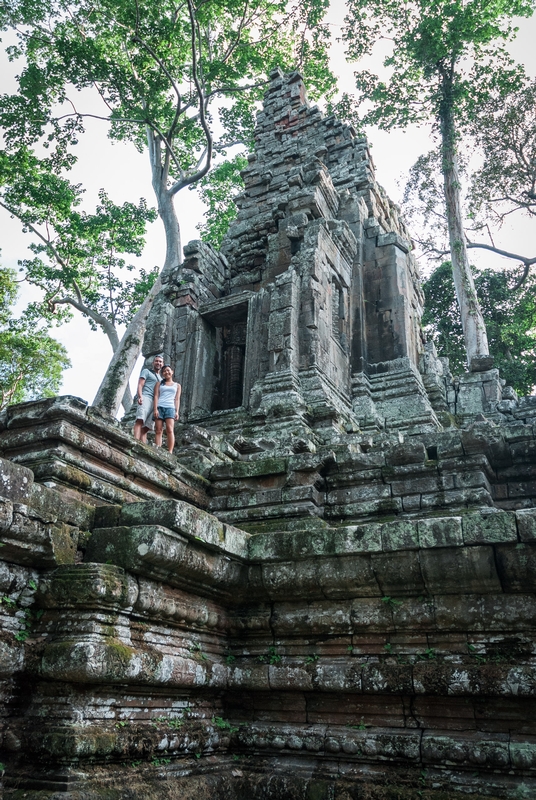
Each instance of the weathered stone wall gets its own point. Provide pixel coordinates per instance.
(345, 645)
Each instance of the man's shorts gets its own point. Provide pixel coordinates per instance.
(166, 413)
(145, 412)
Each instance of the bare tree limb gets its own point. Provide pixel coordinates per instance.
(104, 323)
(506, 253)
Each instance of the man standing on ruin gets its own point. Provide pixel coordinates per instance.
(145, 395)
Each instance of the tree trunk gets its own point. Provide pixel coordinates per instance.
(474, 328)
(126, 400)
(115, 381)
(112, 388)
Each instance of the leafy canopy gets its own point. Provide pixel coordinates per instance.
(31, 361)
(436, 45)
(510, 322)
(164, 70)
(76, 255)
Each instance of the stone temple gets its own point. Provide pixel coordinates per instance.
(328, 591)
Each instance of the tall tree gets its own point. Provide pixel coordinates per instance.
(168, 75)
(510, 317)
(502, 141)
(445, 54)
(31, 361)
(78, 257)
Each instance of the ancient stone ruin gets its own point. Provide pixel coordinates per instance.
(327, 592)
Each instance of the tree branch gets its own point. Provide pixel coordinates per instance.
(202, 100)
(105, 119)
(48, 244)
(506, 253)
(162, 66)
(233, 45)
(103, 322)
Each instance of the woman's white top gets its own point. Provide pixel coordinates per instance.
(166, 396)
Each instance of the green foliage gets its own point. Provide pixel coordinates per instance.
(272, 657)
(27, 618)
(196, 649)
(362, 726)
(428, 655)
(223, 725)
(164, 73)
(31, 361)
(164, 76)
(443, 52)
(217, 190)
(391, 602)
(510, 321)
(78, 257)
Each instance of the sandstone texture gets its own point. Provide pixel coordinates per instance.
(328, 591)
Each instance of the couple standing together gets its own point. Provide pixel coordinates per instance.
(158, 402)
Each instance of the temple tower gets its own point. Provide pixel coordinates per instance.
(310, 315)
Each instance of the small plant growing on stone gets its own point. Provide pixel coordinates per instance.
(122, 723)
(479, 658)
(197, 755)
(175, 723)
(350, 648)
(229, 657)
(196, 650)
(32, 585)
(159, 762)
(273, 656)
(388, 648)
(223, 725)
(135, 764)
(361, 727)
(391, 602)
(312, 659)
(428, 654)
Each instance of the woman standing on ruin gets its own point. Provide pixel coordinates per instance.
(167, 396)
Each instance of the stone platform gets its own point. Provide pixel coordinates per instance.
(356, 647)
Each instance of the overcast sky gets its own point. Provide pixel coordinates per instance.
(125, 174)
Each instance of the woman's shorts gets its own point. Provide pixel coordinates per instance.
(166, 413)
(145, 412)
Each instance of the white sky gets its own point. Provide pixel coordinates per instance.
(124, 173)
